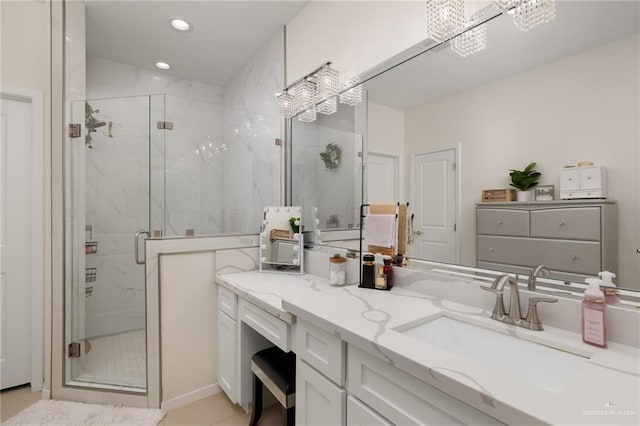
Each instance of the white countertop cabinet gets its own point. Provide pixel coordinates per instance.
(354, 367)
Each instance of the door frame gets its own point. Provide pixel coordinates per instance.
(457, 154)
(35, 98)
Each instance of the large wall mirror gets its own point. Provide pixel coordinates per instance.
(561, 93)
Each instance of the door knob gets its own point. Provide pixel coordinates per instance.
(418, 232)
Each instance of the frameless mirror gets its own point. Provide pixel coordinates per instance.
(559, 94)
(281, 240)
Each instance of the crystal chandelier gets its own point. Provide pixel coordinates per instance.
(353, 95)
(473, 40)
(304, 97)
(317, 93)
(444, 18)
(285, 105)
(528, 13)
(531, 13)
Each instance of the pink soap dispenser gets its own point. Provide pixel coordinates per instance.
(594, 329)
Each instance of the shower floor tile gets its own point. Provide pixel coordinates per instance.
(117, 360)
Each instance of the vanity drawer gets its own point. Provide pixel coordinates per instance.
(582, 257)
(272, 328)
(509, 222)
(321, 350)
(404, 399)
(573, 223)
(591, 177)
(227, 301)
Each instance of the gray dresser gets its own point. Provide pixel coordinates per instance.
(574, 239)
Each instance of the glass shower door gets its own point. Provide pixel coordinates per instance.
(107, 201)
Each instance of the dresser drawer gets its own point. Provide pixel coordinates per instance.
(582, 257)
(581, 223)
(321, 350)
(272, 328)
(570, 179)
(227, 301)
(509, 222)
(404, 399)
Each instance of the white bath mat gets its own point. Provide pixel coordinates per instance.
(49, 412)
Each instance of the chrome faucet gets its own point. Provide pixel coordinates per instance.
(514, 316)
(536, 272)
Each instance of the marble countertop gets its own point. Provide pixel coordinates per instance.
(606, 390)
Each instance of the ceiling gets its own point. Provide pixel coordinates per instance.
(579, 25)
(225, 34)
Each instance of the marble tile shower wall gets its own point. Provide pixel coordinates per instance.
(212, 173)
(252, 161)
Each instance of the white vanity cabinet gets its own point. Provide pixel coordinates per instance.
(404, 399)
(227, 344)
(574, 239)
(320, 377)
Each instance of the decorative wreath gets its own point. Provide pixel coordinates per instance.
(331, 156)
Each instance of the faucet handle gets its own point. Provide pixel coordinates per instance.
(532, 322)
(498, 310)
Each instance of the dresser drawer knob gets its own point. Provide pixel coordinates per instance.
(561, 223)
(499, 222)
(574, 257)
(492, 249)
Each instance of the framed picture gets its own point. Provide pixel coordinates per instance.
(545, 192)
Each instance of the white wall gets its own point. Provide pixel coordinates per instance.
(583, 107)
(354, 35)
(25, 45)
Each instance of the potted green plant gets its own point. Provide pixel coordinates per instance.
(524, 181)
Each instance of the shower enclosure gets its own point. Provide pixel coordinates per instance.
(166, 165)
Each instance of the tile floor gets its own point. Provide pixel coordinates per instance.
(215, 410)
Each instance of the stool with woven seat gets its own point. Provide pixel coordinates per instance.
(276, 370)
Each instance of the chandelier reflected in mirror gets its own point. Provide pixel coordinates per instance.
(317, 93)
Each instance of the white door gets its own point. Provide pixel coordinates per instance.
(382, 178)
(433, 201)
(15, 242)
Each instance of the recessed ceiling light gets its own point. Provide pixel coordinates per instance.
(180, 24)
(162, 65)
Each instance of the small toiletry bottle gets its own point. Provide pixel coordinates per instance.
(594, 329)
(608, 287)
(337, 270)
(381, 279)
(388, 270)
(368, 271)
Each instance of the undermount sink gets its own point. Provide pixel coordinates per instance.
(537, 364)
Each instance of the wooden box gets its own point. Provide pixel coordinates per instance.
(491, 195)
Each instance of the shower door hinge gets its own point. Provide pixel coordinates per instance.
(165, 125)
(75, 130)
(74, 350)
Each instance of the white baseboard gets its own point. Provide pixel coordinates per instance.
(188, 398)
(46, 393)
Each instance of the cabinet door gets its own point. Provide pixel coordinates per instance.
(359, 414)
(318, 400)
(570, 179)
(227, 355)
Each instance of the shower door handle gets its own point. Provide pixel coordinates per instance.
(136, 252)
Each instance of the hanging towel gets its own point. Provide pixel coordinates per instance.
(380, 230)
